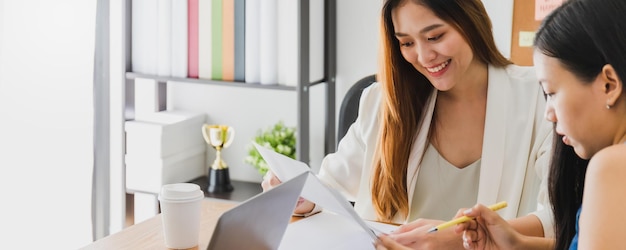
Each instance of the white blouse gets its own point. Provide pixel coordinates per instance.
(442, 188)
(515, 154)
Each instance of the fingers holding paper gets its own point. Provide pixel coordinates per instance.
(270, 181)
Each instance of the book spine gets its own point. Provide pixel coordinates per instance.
(192, 57)
(268, 42)
(179, 38)
(288, 43)
(164, 41)
(240, 40)
(144, 36)
(204, 39)
(216, 39)
(228, 40)
(252, 47)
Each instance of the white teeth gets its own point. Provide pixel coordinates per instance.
(438, 68)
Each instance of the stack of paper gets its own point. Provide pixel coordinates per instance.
(335, 228)
(164, 147)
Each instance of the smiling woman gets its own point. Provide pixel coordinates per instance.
(46, 105)
(448, 121)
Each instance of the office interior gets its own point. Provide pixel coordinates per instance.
(47, 107)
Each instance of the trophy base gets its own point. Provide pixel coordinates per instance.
(219, 181)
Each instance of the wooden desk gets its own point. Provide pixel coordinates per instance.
(149, 233)
(243, 190)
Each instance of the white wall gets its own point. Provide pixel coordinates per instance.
(358, 25)
(251, 109)
(246, 109)
(501, 13)
(46, 123)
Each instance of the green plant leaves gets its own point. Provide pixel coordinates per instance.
(280, 138)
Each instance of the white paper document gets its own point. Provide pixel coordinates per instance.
(332, 201)
(329, 231)
(282, 166)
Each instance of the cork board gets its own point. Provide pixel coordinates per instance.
(527, 16)
(523, 21)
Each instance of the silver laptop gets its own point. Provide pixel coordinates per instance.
(259, 222)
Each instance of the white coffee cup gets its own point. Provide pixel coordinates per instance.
(180, 209)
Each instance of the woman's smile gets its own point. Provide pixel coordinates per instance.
(439, 69)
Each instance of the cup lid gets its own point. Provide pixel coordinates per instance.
(180, 191)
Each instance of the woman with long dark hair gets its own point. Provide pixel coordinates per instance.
(580, 58)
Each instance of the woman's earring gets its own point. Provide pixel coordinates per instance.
(608, 106)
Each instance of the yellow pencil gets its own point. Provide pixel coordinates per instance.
(494, 207)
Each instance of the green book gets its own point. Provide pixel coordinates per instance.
(217, 60)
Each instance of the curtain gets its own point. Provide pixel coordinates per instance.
(101, 95)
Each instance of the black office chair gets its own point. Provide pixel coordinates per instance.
(350, 105)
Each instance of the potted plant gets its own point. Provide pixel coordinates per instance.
(280, 138)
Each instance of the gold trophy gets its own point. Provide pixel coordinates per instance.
(219, 137)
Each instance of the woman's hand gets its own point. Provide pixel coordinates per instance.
(269, 181)
(302, 207)
(385, 242)
(415, 235)
(487, 231)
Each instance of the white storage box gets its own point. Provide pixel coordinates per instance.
(148, 174)
(163, 134)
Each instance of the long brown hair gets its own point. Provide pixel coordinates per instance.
(406, 92)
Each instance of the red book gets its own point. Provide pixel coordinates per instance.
(193, 39)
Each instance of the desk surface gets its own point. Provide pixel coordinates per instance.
(149, 233)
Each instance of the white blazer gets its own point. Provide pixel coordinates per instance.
(515, 155)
